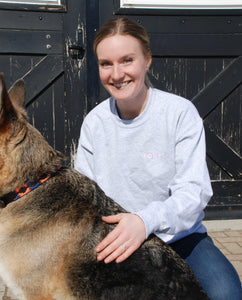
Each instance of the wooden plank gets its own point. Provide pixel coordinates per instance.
(226, 202)
(232, 121)
(170, 74)
(19, 65)
(42, 75)
(213, 66)
(227, 189)
(218, 88)
(41, 113)
(27, 20)
(4, 63)
(59, 114)
(31, 42)
(196, 44)
(75, 24)
(46, 113)
(93, 90)
(231, 124)
(223, 212)
(214, 169)
(191, 24)
(223, 155)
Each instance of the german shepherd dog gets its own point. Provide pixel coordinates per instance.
(50, 224)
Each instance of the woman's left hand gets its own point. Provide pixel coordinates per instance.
(123, 240)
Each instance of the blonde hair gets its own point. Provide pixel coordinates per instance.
(125, 26)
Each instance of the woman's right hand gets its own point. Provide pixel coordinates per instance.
(123, 240)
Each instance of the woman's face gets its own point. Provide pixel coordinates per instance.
(122, 67)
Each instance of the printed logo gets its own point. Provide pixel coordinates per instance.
(155, 155)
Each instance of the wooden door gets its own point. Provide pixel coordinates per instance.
(45, 45)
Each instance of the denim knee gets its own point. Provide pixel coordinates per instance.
(215, 273)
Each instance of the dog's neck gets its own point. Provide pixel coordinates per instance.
(26, 188)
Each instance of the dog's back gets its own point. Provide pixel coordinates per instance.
(48, 236)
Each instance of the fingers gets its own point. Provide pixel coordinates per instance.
(112, 219)
(111, 237)
(108, 246)
(123, 240)
(128, 252)
(118, 253)
(114, 254)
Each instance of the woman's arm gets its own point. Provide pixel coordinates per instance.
(190, 189)
(84, 155)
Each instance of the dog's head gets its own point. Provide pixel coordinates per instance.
(24, 153)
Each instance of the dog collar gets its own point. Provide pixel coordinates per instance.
(30, 186)
(26, 188)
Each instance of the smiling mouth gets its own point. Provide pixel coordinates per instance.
(121, 84)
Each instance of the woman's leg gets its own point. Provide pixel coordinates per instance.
(215, 273)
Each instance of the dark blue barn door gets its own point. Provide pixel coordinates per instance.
(45, 45)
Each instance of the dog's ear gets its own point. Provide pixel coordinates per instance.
(12, 114)
(17, 93)
(7, 111)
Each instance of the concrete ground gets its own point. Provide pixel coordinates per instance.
(227, 235)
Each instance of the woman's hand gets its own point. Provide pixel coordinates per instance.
(123, 240)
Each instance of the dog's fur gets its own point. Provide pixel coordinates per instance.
(48, 237)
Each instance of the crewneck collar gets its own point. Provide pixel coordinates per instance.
(132, 122)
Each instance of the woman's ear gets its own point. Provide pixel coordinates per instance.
(148, 61)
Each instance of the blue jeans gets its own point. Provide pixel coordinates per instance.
(216, 274)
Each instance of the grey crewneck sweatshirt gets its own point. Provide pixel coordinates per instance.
(153, 166)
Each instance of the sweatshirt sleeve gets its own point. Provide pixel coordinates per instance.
(84, 155)
(190, 189)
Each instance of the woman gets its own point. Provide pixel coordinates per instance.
(146, 149)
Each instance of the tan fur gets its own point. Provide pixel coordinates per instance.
(38, 251)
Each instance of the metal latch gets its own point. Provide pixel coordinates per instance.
(76, 52)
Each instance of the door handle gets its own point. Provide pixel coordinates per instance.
(76, 52)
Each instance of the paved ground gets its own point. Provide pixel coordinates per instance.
(227, 235)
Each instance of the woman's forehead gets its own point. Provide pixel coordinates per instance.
(118, 45)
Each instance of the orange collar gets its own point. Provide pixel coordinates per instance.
(30, 186)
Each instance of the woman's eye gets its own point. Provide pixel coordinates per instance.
(128, 60)
(104, 64)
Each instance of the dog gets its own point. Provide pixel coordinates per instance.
(50, 224)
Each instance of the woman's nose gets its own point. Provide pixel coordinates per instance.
(117, 72)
